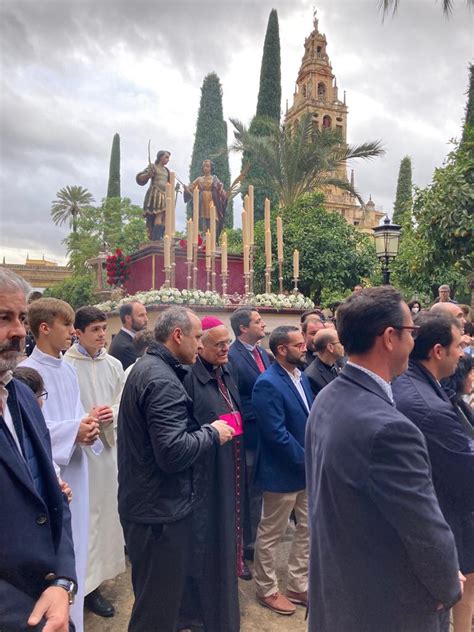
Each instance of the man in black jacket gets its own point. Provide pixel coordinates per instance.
(323, 369)
(134, 319)
(157, 448)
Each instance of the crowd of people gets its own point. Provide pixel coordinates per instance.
(196, 455)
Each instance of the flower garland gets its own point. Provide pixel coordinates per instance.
(282, 301)
(171, 296)
(118, 268)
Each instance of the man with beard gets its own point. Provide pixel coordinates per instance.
(282, 400)
(37, 570)
(309, 328)
(134, 319)
(216, 545)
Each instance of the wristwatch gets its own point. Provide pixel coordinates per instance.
(68, 585)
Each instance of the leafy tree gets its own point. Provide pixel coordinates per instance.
(296, 163)
(403, 200)
(113, 188)
(234, 241)
(333, 255)
(392, 5)
(70, 202)
(210, 140)
(117, 223)
(268, 109)
(78, 291)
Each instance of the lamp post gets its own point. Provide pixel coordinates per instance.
(387, 241)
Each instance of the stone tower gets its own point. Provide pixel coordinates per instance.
(316, 92)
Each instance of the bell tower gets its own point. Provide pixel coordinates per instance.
(316, 92)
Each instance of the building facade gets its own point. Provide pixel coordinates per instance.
(39, 273)
(316, 92)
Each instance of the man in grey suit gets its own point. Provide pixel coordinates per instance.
(382, 556)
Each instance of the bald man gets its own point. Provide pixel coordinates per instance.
(328, 350)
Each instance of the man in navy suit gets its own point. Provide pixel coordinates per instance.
(37, 570)
(249, 360)
(134, 319)
(382, 554)
(282, 400)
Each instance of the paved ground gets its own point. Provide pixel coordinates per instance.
(254, 617)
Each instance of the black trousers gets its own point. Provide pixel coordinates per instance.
(158, 556)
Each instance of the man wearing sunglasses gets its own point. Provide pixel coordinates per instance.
(382, 555)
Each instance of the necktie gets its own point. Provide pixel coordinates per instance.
(258, 359)
(4, 379)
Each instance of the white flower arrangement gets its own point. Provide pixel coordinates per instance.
(283, 301)
(165, 296)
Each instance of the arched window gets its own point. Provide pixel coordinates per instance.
(321, 91)
(327, 120)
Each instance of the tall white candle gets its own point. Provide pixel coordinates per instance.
(296, 264)
(189, 235)
(279, 239)
(195, 215)
(224, 253)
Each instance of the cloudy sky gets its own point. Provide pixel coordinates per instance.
(75, 72)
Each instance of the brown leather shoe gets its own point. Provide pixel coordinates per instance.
(301, 598)
(278, 603)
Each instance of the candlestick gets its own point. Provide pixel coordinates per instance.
(195, 215)
(195, 263)
(296, 264)
(224, 253)
(280, 276)
(267, 214)
(251, 211)
(279, 239)
(208, 250)
(212, 226)
(169, 210)
(189, 244)
(167, 260)
(244, 229)
(268, 248)
(246, 260)
(173, 203)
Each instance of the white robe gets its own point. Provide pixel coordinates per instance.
(63, 412)
(101, 381)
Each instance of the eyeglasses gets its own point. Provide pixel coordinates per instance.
(413, 329)
(43, 396)
(223, 345)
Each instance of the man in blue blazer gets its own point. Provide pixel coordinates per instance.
(37, 570)
(249, 360)
(382, 555)
(282, 399)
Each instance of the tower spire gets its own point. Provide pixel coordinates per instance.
(315, 19)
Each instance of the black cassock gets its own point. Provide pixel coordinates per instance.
(215, 557)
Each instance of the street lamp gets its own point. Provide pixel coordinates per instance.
(387, 241)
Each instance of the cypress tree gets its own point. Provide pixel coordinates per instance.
(403, 201)
(269, 94)
(468, 130)
(210, 140)
(113, 188)
(268, 104)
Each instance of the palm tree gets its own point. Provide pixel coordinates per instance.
(299, 160)
(392, 5)
(69, 203)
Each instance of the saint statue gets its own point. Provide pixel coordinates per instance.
(154, 205)
(212, 190)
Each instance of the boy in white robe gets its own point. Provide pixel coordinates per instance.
(101, 378)
(51, 322)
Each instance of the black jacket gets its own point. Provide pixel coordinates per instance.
(123, 349)
(419, 396)
(157, 443)
(319, 375)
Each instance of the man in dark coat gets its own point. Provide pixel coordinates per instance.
(419, 395)
(323, 369)
(248, 361)
(216, 547)
(37, 568)
(282, 400)
(134, 319)
(382, 554)
(309, 327)
(157, 449)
